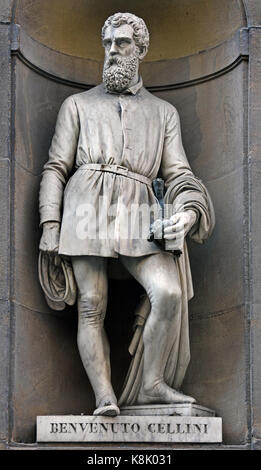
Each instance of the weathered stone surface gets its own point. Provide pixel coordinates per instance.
(5, 131)
(216, 154)
(178, 29)
(27, 289)
(254, 142)
(48, 374)
(5, 229)
(254, 151)
(6, 10)
(5, 366)
(256, 360)
(219, 285)
(128, 429)
(253, 12)
(211, 116)
(217, 375)
(5, 92)
(179, 409)
(37, 104)
(255, 175)
(256, 444)
(213, 150)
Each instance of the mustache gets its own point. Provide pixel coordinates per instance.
(115, 61)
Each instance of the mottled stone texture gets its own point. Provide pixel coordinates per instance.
(253, 12)
(5, 92)
(5, 114)
(216, 153)
(49, 377)
(5, 10)
(4, 369)
(225, 328)
(212, 119)
(254, 151)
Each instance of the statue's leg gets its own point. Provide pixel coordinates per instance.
(91, 278)
(159, 276)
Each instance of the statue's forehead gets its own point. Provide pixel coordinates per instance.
(125, 30)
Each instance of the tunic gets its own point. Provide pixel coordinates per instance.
(104, 213)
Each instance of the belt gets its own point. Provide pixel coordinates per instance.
(118, 170)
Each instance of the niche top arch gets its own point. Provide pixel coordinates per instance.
(178, 28)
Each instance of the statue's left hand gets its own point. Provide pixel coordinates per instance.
(177, 226)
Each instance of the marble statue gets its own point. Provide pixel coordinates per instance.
(110, 145)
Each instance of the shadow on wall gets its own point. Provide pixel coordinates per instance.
(177, 27)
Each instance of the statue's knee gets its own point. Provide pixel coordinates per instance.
(168, 297)
(91, 310)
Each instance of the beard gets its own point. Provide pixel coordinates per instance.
(118, 72)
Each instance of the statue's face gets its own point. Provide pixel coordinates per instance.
(119, 41)
(121, 61)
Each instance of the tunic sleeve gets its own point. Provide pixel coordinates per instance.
(184, 191)
(61, 159)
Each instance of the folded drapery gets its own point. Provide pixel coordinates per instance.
(57, 280)
(183, 193)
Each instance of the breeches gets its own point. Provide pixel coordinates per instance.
(157, 273)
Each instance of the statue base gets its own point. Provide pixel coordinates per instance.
(160, 424)
(178, 409)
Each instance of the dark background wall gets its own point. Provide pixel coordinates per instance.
(198, 61)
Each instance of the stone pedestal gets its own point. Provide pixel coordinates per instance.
(159, 428)
(178, 409)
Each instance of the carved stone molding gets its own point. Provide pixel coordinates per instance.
(158, 75)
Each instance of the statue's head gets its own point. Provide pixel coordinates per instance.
(125, 39)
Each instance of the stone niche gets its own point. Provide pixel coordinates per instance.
(198, 61)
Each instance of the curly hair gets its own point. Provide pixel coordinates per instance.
(140, 31)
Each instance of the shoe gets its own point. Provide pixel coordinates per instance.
(107, 410)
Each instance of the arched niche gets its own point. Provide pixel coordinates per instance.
(198, 62)
(178, 28)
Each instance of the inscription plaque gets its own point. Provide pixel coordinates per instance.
(129, 429)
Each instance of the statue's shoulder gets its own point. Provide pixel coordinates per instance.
(94, 93)
(164, 105)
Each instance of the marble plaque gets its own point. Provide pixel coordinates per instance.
(129, 429)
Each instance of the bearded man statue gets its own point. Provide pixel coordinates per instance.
(116, 139)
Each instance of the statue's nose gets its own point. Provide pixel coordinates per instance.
(113, 49)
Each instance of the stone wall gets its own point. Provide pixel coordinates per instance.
(217, 93)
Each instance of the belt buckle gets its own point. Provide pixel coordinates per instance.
(122, 168)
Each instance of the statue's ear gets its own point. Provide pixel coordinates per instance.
(142, 52)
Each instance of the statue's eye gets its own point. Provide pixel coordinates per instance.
(123, 43)
(107, 43)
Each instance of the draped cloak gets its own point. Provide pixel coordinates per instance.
(141, 133)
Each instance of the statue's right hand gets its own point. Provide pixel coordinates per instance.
(49, 242)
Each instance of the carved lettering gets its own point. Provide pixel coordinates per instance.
(161, 428)
(63, 428)
(170, 429)
(198, 427)
(124, 427)
(188, 428)
(178, 429)
(83, 426)
(114, 427)
(135, 427)
(73, 426)
(151, 427)
(104, 427)
(93, 427)
(54, 428)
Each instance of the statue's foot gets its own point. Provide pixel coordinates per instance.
(162, 393)
(107, 407)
